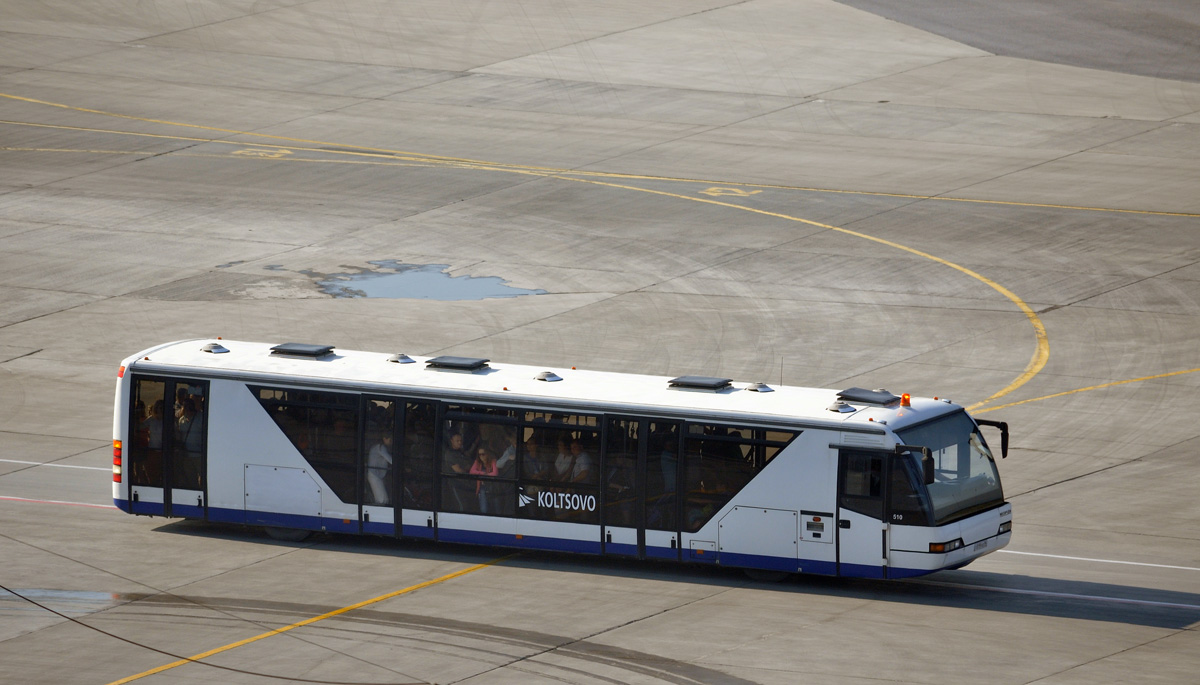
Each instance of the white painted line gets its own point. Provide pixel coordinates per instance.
(55, 501)
(1099, 561)
(61, 466)
(1059, 595)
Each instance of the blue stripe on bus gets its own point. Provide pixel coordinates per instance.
(425, 531)
(862, 570)
(662, 553)
(187, 511)
(220, 515)
(260, 518)
(146, 508)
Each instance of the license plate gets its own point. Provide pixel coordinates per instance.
(979, 545)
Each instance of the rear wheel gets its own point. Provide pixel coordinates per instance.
(287, 534)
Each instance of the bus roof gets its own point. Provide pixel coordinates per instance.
(479, 380)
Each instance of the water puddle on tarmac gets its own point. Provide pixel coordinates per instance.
(392, 279)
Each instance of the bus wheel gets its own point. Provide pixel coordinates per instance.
(763, 576)
(287, 534)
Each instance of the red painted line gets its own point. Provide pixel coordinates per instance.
(54, 501)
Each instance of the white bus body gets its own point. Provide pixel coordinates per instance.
(695, 469)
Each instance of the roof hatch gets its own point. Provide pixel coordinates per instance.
(700, 383)
(302, 350)
(857, 395)
(457, 363)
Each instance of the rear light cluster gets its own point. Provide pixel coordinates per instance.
(116, 461)
(1005, 527)
(943, 547)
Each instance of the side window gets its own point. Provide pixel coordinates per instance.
(907, 506)
(620, 473)
(862, 483)
(323, 426)
(420, 456)
(189, 428)
(380, 448)
(560, 467)
(662, 470)
(148, 422)
(479, 460)
(719, 460)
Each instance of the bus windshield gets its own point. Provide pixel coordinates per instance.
(965, 477)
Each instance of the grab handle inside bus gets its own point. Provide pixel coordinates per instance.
(1003, 426)
(927, 470)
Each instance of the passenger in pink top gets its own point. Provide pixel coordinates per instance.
(485, 465)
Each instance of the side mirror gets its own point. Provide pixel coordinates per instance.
(1003, 426)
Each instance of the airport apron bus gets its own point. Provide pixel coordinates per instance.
(300, 437)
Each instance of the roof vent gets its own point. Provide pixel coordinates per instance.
(699, 383)
(841, 408)
(861, 396)
(548, 376)
(215, 348)
(401, 359)
(302, 350)
(457, 363)
(760, 387)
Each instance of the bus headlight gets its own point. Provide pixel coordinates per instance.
(1005, 527)
(943, 547)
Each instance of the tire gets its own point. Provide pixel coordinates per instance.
(287, 534)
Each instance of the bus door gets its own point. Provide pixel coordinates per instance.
(862, 527)
(397, 467)
(167, 458)
(641, 482)
(378, 513)
(416, 477)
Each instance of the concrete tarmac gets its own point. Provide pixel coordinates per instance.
(787, 191)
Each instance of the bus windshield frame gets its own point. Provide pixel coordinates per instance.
(965, 477)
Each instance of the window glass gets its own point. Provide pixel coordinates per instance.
(149, 420)
(620, 474)
(420, 456)
(719, 460)
(323, 426)
(662, 470)
(908, 503)
(715, 469)
(559, 467)
(965, 476)
(479, 461)
(862, 483)
(378, 445)
(190, 426)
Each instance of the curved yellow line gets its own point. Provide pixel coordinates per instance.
(499, 166)
(1040, 356)
(1036, 363)
(1090, 387)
